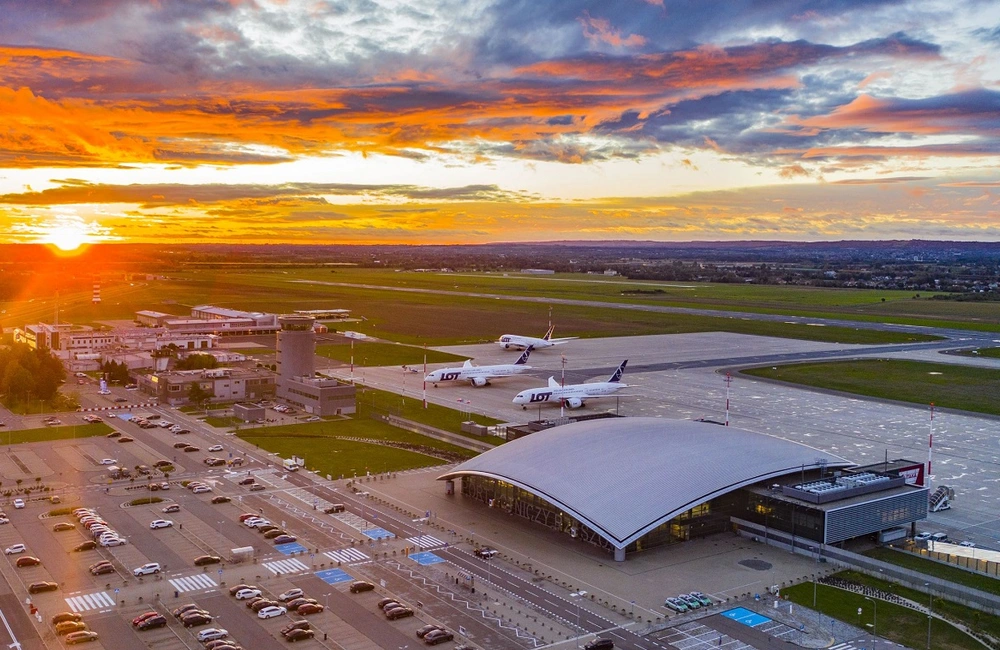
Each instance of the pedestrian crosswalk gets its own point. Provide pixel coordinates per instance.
(425, 541)
(193, 583)
(347, 555)
(278, 567)
(843, 646)
(99, 600)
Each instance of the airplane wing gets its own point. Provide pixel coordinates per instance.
(565, 339)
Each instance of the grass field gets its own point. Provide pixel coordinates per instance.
(372, 401)
(324, 449)
(946, 385)
(372, 354)
(46, 434)
(899, 624)
(936, 569)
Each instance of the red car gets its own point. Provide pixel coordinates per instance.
(142, 617)
(309, 608)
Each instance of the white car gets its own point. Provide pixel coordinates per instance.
(271, 612)
(18, 503)
(243, 594)
(201, 489)
(115, 541)
(164, 424)
(108, 461)
(160, 523)
(15, 549)
(4, 520)
(215, 448)
(967, 544)
(920, 537)
(147, 569)
(290, 595)
(258, 523)
(212, 634)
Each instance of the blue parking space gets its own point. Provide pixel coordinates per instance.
(376, 533)
(426, 558)
(746, 617)
(288, 549)
(333, 576)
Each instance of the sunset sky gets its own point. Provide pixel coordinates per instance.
(454, 121)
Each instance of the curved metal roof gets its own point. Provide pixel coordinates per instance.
(623, 477)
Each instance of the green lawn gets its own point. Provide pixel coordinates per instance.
(45, 434)
(321, 444)
(936, 569)
(946, 385)
(372, 401)
(216, 421)
(373, 354)
(992, 353)
(899, 624)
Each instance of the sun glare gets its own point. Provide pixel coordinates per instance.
(66, 238)
(66, 233)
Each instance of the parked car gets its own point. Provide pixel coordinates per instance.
(247, 516)
(184, 609)
(114, 434)
(291, 594)
(600, 644)
(254, 600)
(243, 594)
(181, 445)
(126, 439)
(220, 499)
(427, 629)
(297, 625)
(261, 604)
(201, 489)
(676, 605)
(39, 587)
(191, 448)
(309, 608)
(295, 603)
(70, 626)
(485, 552)
(147, 569)
(257, 487)
(921, 537)
(299, 635)
(398, 612)
(270, 532)
(212, 633)
(193, 619)
(361, 585)
(18, 503)
(271, 612)
(215, 448)
(66, 616)
(439, 636)
(701, 598)
(160, 523)
(15, 549)
(102, 569)
(108, 461)
(385, 602)
(285, 539)
(236, 588)
(84, 636)
(203, 560)
(62, 526)
(142, 617)
(247, 481)
(692, 603)
(152, 623)
(26, 561)
(85, 546)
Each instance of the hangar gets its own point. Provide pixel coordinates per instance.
(626, 484)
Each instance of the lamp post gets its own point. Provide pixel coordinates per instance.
(930, 612)
(578, 594)
(874, 618)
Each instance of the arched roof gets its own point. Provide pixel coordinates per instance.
(623, 477)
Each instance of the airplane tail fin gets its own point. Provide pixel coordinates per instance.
(618, 373)
(553, 383)
(548, 334)
(523, 359)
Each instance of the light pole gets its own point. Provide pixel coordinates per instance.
(578, 594)
(930, 612)
(874, 618)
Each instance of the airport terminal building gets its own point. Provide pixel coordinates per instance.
(627, 484)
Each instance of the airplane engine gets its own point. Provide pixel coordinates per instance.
(505, 346)
(574, 402)
(478, 382)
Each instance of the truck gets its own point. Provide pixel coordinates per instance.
(293, 464)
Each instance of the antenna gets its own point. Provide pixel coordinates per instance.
(729, 380)
(562, 402)
(822, 466)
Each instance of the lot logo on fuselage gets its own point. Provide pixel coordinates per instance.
(448, 376)
(540, 397)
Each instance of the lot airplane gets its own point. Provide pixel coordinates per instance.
(572, 396)
(481, 375)
(518, 342)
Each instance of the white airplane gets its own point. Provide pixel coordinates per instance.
(518, 342)
(480, 375)
(573, 395)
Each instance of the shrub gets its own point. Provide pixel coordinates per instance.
(59, 512)
(144, 501)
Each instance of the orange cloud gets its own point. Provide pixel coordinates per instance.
(599, 30)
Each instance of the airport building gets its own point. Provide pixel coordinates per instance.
(297, 381)
(223, 384)
(628, 484)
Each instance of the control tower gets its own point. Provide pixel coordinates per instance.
(296, 347)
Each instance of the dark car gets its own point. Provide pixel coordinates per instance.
(180, 445)
(162, 463)
(39, 587)
(309, 608)
(247, 481)
(203, 560)
(261, 604)
(271, 532)
(142, 617)
(299, 635)
(257, 487)
(297, 625)
(398, 612)
(600, 644)
(152, 622)
(183, 431)
(361, 585)
(196, 618)
(485, 552)
(285, 539)
(183, 609)
(126, 439)
(27, 560)
(215, 462)
(66, 616)
(438, 636)
(63, 527)
(335, 508)
(120, 399)
(382, 604)
(114, 434)
(85, 546)
(102, 567)
(295, 603)
(239, 587)
(192, 448)
(220, 500)
(84, 636)
(253, 601)
(68, 627)
(172, 508)
(427, 629)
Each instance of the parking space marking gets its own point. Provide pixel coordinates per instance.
(279, 567)
(347, 555)
(333, 576)
(426, 558)
(425, 541)
(377, 533)
(89, 602)
(193, 582)
(290, 548)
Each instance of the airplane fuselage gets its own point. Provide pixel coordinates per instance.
(567, 393)
(478, 375)
(517, 342)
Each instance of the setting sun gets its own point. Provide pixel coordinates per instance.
(66, 237)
